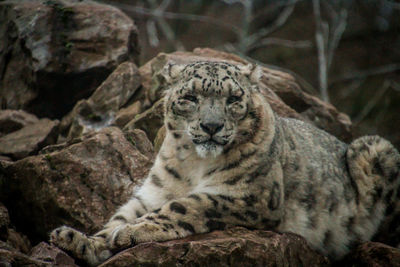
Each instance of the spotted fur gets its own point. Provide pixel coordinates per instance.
(227, 159)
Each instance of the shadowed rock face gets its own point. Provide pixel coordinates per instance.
(281, 90)
(79, 183)
(13, 245)
(372, 254)
(53, 53)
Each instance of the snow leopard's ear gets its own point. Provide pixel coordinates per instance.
(171, 71)
(252, 71)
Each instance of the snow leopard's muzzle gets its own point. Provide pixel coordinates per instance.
(211, 131)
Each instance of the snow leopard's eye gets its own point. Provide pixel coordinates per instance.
(185, 105)
(190, 98)
(232, 99)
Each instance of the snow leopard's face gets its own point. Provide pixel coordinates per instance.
(212, 103)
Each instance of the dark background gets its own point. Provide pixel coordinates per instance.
(355, 64)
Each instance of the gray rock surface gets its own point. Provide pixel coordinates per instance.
(99, 110)
(52, 255)
(232, 247)
(30, 139)
(149, 121)
(79, 184)
(13, 120)
(11, 258)
(53, 53)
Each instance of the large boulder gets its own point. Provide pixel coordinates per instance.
(282, 91)
(233, 247)
(100, 109)
(53, 53)
(80, 183)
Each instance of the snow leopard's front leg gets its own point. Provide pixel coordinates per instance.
(197, 213)
(96, 249)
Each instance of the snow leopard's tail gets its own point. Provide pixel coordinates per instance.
(374, 165)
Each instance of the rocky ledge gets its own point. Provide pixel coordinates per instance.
(80, 154)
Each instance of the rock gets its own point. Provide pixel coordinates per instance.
(307, 107)
(13, 120)
(53, 53)
(52, 255)
(79, 184)
(4, 222)
(233, 247)
(372, 254)
(139, 139)
(99, 110)
(29, 139)
(125, 115)
(5, 158)
(282, 91)
(9, 258)
(149, 121)
(114, 92)
(18, 241)
(11, 238)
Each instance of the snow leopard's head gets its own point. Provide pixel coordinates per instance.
(214, 103)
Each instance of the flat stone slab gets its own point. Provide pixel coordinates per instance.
(233, 247)
(30, 139)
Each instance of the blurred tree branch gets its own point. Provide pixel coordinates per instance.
(330, 20)
(369, 72)
(163, 24)
(392, 4)
(327, 38)
(246, 41)
(281, 42)
(250, 40)
(175, 16)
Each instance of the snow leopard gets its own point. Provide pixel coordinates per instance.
(228, 160)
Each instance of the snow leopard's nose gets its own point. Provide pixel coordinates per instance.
(211, 127)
